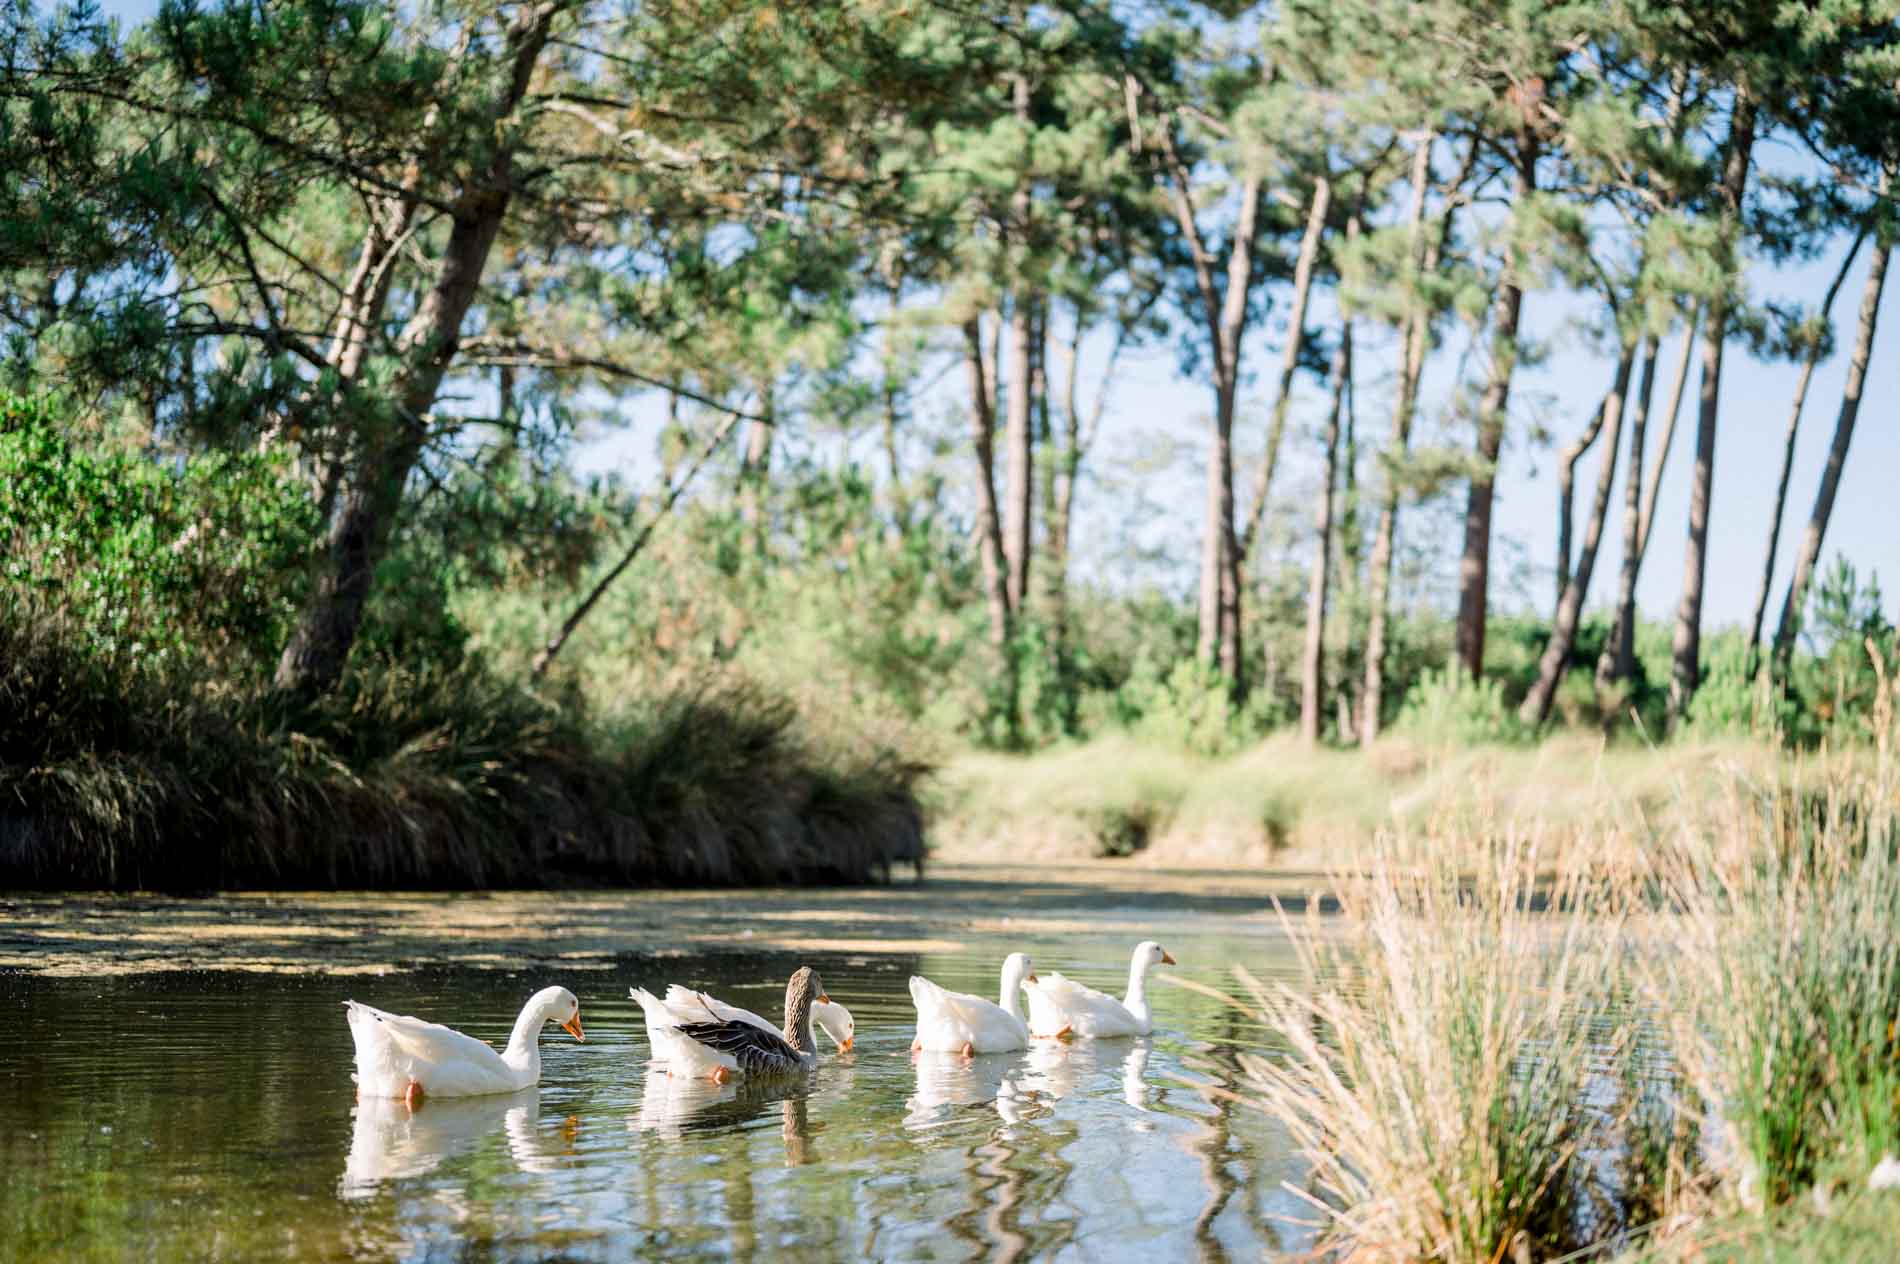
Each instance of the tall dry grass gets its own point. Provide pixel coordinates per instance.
(1505, 1049)
(1285, 803)
(1443, 1052)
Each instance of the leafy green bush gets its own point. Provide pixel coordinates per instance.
(1727, 703)
(1191, 708)
(143, 559)
(1447, 706)
(1835, 693)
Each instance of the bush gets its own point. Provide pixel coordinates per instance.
(1190, 709)
(142, 560)
(1448, 707)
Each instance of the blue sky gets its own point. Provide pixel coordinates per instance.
(1153, 400)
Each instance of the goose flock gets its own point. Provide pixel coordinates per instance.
(696, 1035)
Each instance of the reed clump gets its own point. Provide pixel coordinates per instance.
(1787, 974)
(123, 777)
(1670, 1045)
(1441, 1051)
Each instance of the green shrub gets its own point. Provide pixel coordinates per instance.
(1447, 706)
(147, 560)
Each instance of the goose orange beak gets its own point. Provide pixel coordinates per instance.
(573, 1028)
(848, 1042)
(1031, 978)
(1167, 958)
(823, 999)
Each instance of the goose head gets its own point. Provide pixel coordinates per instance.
(836, 1021)
(558, 1005)
(1149, 954)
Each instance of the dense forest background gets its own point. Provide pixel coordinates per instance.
(435, 401)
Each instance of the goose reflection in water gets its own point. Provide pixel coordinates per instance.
(673, 1106)
(946, 1081)
(1057, 1068)
(389, 1141)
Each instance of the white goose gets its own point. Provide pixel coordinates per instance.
(1060, 1007)
(956, 1022)
(722, 1047)
(399, 1056)
(688, 1006)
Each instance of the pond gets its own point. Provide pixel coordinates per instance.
(175, 1080)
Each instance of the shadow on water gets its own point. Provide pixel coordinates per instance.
(210, 1116)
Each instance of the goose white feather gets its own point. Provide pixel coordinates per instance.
(956, 1022)
(401, 1056)
(1060, 1006)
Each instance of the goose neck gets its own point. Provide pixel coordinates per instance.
(524, 1043)
(1137, 998)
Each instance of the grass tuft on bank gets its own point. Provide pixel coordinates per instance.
(1679, 1043)
(143, 777)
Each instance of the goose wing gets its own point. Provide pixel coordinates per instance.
(755, 1050)
(418, 1037)
(934, 1000)
(699, 1005)
(1067, 993)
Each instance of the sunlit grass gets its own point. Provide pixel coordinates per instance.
(1286, 803)
(1788, 970)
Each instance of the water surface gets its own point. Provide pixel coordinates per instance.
(155, 1112)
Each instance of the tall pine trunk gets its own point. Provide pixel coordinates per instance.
(1632, 504)
(370, 490)
(1789, 624)
(1417, 333)
(1566, 494)
(1618, 660)
(1220, 551)
(1312, 657)
(1224, 311)
(1787, 457)
(1303, 267)
(1474, 566)
(893, 394)
(1019, 442)
(989, 534)
(1686, 646)
(1563, 633)
(1066, 469)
